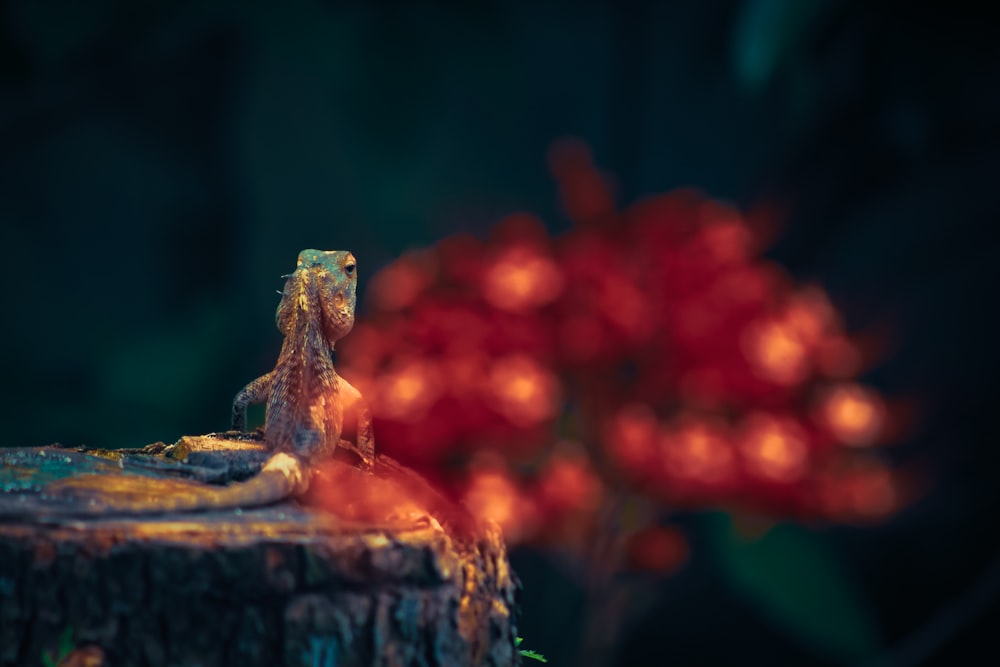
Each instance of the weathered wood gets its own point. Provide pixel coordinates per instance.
(388, 574)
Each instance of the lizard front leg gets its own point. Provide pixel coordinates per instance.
(255, 392)
(356, 403)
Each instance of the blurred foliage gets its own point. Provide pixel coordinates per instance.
(769, 34)
(789, 573)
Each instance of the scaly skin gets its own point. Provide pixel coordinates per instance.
(306, 399)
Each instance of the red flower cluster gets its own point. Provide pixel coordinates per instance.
(651, 350)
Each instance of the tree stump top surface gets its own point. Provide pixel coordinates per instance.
(379, 571)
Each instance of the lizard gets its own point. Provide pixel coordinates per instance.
(306, 401)
(305, 398)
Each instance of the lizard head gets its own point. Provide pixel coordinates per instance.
(334, 275)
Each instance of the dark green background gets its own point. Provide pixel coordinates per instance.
(161, 164)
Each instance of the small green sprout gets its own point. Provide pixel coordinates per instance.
(65, 648)
(528, 653)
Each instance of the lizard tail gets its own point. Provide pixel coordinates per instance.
(281, 477)
(130, 495)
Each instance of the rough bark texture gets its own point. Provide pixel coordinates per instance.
(281, 585)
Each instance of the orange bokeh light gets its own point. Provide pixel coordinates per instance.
(853, 414)
(399, 284)
(522, 390)
(522, 278)
(699, 451)
(774, 449)
(406, 392)
(569, 484)
(810, 315)
(775, 352)
(781, 348)
(631, 435)
(491, 494)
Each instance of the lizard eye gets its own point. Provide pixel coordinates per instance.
(349, 268)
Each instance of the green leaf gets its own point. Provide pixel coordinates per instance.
(528, 653)
(65, 648)
(66, 642)
(799, 585)
(534, 656)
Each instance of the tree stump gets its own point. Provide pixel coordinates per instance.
(368, 570)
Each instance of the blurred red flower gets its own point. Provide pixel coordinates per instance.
(685, 368)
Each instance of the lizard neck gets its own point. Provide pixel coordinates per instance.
(305, 385)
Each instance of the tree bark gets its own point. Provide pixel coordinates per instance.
(289, 584)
